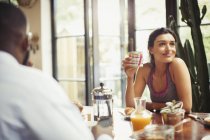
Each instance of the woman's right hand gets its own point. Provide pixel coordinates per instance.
(128, 68)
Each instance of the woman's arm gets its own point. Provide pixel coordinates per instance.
(130, 72)
(181, 78)
(152, 106)
(135, 87)
(129, 95)
(139, 83)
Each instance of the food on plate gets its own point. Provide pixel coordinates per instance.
(207, 120)
(129, 110)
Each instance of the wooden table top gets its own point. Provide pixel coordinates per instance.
(192, 130)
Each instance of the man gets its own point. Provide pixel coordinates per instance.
(32, 105)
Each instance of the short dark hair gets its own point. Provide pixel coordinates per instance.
(12, 24)
(154, 35)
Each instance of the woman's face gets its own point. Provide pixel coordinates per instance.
(164, 49)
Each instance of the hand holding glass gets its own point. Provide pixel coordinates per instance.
(137, 58)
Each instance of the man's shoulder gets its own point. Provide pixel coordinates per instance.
(36, 73)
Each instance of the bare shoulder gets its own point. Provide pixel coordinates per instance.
(178, 66)
(176, 63)
(145, 70)
(147, 66)
(177, 60)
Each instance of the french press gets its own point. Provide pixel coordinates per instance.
(102, 102)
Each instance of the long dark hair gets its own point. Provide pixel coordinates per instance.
(154, 35)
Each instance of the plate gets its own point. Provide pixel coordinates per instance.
(206, 137)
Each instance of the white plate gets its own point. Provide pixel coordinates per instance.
(206, 137)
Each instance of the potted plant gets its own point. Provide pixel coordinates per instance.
(194, 55)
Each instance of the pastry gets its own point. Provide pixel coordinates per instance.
(129, 110)
(207, 120)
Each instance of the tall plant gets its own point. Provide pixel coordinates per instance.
(196, 61)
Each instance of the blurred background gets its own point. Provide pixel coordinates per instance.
(81, 42)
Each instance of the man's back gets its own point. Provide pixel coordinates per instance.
(33, 106)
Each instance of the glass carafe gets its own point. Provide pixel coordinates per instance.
(102, 102)
(140, 117)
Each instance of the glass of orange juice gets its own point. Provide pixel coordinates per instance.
(140, 117)
(139, 121)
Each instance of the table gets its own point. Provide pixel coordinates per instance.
(192, 130)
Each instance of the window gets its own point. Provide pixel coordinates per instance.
(150, 15)
(70, 55)
(185, 31)
(91, 40)
(89, 46)
(109, 42)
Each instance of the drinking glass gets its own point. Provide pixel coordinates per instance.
(173, 119)
(159, 132)
(137, 58)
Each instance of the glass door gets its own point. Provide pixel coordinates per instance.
(90, 42)
(69, 48)
(109, 46)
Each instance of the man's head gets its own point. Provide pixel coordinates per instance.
(13, 38)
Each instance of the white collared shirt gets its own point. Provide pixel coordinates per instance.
(34, 107)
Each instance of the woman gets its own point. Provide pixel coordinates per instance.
(166, 75)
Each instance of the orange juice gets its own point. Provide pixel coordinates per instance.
(139, 121)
